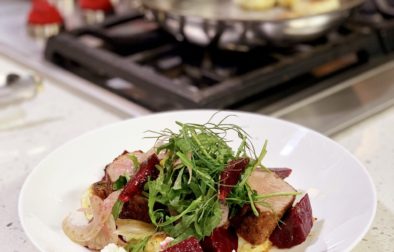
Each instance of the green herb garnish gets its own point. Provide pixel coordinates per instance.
(134, 159)
(137, 245)
(117, 208)
(119, 183)
(188, 183)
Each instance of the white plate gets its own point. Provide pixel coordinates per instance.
(342, 194)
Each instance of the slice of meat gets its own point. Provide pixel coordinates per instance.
(257, 229)
(103, 188)
(120, 166)
(123, 165)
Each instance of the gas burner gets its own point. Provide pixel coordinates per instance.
(136, 59)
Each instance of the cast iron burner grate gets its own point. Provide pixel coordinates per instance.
(136, 59)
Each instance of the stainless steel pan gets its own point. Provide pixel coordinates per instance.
(224, 23)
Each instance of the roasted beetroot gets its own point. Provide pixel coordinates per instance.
(221, 240)
(136, 184)
(294, 226)
(189, 245)
(230, 176)
(281, 172)
(136, 208)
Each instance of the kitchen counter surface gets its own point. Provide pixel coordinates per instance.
(372, 143)
(28, 132)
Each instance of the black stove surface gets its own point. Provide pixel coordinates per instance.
(137, 60)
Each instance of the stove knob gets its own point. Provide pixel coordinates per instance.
(96, 11)
(44, 20)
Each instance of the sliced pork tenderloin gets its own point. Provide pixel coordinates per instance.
(257, 229)
(124, 165)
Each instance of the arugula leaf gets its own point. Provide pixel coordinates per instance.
(178, 181)
(137, 245)
(134, 159)
(119, 183)
(117, 208)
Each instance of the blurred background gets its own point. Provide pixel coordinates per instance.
(323, 64)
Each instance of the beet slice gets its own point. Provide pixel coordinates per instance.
(189, 245)
(221, 240)
(281, 172)
(294, 226)
(136, 183)
(230, 176)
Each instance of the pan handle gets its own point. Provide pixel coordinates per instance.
(385, 7)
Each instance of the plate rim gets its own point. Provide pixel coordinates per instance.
(37, 166)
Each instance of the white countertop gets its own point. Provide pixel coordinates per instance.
(28, 132)
(372, 143)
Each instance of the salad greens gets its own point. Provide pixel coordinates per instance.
(120, 183)
(189, 178)
(137, 246)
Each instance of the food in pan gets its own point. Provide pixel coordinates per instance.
(256, 4)
(192, 192)
(313, 6)
(297, 6)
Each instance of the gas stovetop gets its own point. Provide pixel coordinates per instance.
(137, 60)
(326, 84)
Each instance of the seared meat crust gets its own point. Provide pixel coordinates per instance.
(257, 229)
(103, 188)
